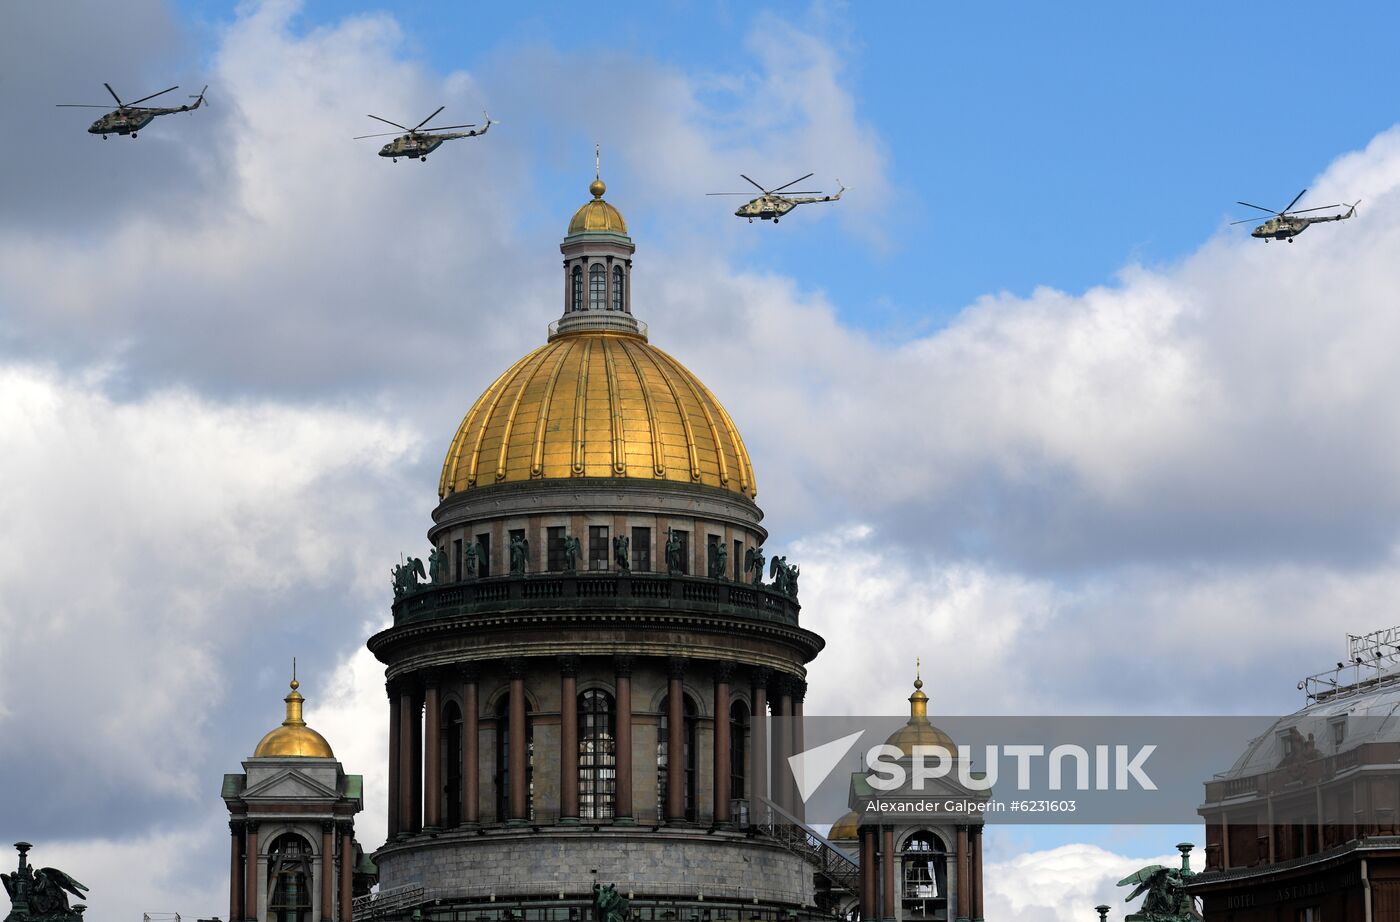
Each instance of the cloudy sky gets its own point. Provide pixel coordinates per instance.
(1021, 404)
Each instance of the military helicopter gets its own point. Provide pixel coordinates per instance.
(419, 143)
(1285, 225)
(130, 117)
(770, 206)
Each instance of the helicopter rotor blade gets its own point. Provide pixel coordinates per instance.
(152, 96)
(1260, 207)
(1318, 208)
(1292, 203)
(450, 127)
(793, 183)
(383, 135)
(755, 185)
(120, 104)
(749, 194)
(1245, 221)
(387, 122)
(429, 119)
(81, 105)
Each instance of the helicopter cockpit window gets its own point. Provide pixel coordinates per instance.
(617, 288)
(576, 303)
(597, 287)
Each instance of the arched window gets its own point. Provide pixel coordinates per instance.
(597, 287)
(576, 302)
(503, 760)
(289, 867)
(452, 762)
(924, 891)
(617, 288)
(597, 756)
(688, 755)
(738, 750)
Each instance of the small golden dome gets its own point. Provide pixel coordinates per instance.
(294, 738)
(597, 404)
(597, 215)
(845, 829)
(918, 731)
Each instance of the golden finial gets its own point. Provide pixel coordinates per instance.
(295, 683)
(918, 672)
(918, 702)
(597, 187)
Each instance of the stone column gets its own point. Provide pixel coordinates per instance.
(517, 765)
(976, 873)
(758, 746)
(327, 870)
(568, 739)
(471, 748)
(415, 816)
(723, 673)
(432, 757)
(799, 691)
(235, 870)
(405, 773)
(782, 745)
(622, 667)
(347, 870)
(887, 868)
(867, 873)
(394, 745)
(964, 878)
(675, 740)
(250, 872)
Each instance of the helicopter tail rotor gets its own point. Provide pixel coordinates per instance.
(199, 100)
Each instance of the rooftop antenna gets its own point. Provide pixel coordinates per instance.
(597, 162)
(294, 669)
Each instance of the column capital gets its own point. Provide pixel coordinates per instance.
(724, 671)
(515, 667)
(622, 665)
(250, 826)
(675, 667)
(468, 672)
(569, 663)
(328, 825)
(236, 825)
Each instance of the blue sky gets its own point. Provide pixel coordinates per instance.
(1028, 144)
(238, 347)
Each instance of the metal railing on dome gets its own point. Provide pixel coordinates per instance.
(598, 320)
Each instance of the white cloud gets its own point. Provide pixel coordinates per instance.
(1061, 884)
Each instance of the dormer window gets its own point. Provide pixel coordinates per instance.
(577, 301)
(617, 288)
(597, 287)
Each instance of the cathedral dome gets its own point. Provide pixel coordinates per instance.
(597, 403)
(846, 829)
(294, 738)
(918, 731)
(597, 215)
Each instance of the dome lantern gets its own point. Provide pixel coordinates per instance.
(597, 268)
(293, 738)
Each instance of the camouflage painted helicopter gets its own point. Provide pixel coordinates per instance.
(770, 206)
(130, 117)
(1285, 225)
(419, 143)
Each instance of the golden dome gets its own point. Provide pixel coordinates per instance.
(597, 215)
(294, 737)
(918, 731)
(845, 829)
(597, 404)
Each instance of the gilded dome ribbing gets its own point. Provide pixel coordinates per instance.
(294, 738)
(597, 404)
(597, 215)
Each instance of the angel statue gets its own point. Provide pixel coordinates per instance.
(472, 563)
(519, 555)
(673, 551)
(778, 571)
(622, 552)
(719, 560)
(407, 575)
(572, 549)
(608, 904)
(42, 895)
(1166, 899)
(753, 561)
(437, 566)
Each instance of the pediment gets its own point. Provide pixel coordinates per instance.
(290, 784)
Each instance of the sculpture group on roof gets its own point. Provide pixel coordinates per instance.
(41, 895)
(411, 575)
